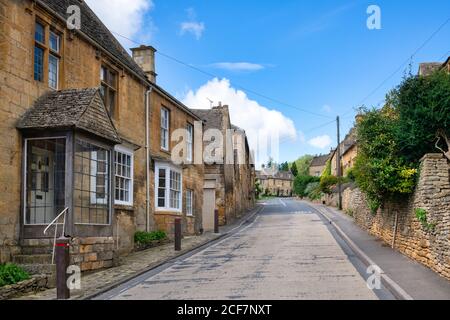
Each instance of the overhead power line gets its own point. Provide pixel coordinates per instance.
(243, 88)
(402, 65)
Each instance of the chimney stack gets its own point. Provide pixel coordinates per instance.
(144, 56)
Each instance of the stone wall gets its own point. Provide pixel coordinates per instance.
(34, 284)
(429, 247)
(92, 253)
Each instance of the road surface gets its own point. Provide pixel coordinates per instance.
(286, 252)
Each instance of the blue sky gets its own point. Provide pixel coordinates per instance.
(318, 56)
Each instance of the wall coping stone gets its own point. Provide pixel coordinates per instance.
(432, 156)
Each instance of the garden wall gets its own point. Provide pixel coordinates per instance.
(430, 247)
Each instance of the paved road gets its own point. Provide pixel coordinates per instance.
(286, 252)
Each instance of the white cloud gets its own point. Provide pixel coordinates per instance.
(196, 28)
(248, 114)
(192, 25)
(238, 66)
(124, 16)
(320, 142)
(326, 108)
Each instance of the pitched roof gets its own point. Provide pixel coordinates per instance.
(75, 108)
(427, 68)
(268, 174)
(320, 161)
(94, 28)
(213, 118)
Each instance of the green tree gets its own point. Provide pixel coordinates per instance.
(422, 106)
(303, 163)
(258, 188)
(294, 169)
(301, 183)
(284, 166)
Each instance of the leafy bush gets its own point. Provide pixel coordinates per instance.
(142, 237)
(312, 191)
(391, 141)
(380, 172)
(11, 273)
(301, 182)
(350, 175)
(326, 182)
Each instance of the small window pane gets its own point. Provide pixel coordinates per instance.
(39, 33)
(38, 64)
(53, 67)
(54, 42)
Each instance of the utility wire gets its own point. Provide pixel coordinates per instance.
(402, 65)
(209, 74)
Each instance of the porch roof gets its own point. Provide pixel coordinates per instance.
(74, 108)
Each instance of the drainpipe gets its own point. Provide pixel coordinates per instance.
(147, 158)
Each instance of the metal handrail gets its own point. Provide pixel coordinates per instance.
(54, 222)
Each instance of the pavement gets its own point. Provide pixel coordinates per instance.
(287, 252)
(284, 249)
(131, 266)
(418, 281)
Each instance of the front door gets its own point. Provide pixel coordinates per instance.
(42, 191)
(209, 205)
(45, 176)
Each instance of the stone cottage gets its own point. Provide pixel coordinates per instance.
(279, 183)
(84, 129)
(222, 191)
(318, 165)
(176, 190)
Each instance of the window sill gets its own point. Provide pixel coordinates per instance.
(123, 207)
(168, 212)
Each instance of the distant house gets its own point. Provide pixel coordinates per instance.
(318, 164)
(349, 151)
(278, 184)
(427, 68)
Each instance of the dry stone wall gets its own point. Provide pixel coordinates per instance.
(396, 222)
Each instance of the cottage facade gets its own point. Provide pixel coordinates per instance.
(81, 123)
(229, 181)
(278, 184)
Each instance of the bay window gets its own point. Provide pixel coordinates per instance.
(168, 186)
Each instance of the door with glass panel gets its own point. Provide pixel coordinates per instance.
(45, 180)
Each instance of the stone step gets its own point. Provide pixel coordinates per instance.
(37, 242)
(32, 259)
(33, 250)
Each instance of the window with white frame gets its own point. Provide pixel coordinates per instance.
(165, 129)
(123, 170)
(190, 142)
(53, 60)
(189, 202)
(168, 186)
